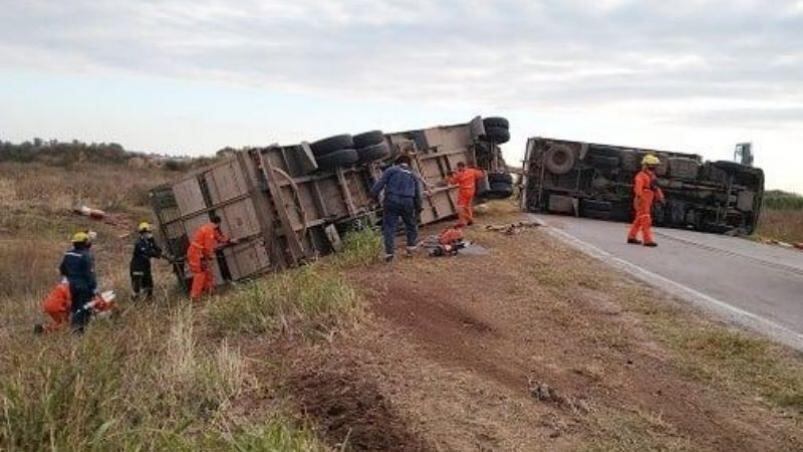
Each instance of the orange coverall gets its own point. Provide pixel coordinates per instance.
(199, 257)
(646, 191)
(466, 180)
(57, 306)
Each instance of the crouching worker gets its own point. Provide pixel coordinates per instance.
(205, 242)
(144, 250)
(78, 267)
(402, 190)
(58, 304)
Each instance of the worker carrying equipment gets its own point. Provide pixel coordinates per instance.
(402, 198)
(645, 193)
(466, 180)
(145, 249)
(205, 242)
(58, 305)
(78, 267)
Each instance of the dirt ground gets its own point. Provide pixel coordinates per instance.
(530, 347)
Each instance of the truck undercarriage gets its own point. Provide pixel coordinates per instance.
(596, 181)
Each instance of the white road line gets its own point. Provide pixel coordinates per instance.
(730, 313)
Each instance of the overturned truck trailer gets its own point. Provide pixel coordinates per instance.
(596, 181)
(287, 205)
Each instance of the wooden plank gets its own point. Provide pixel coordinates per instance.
(240, 218)
(293, 243)
(247, 259)
(189, 197)
(343, 184)
(226, 182)
(261, 204)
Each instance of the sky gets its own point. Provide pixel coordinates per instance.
(192, 76)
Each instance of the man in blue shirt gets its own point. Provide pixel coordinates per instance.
(78, 266)
(402, 188)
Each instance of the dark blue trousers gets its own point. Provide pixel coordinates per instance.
(390, 219)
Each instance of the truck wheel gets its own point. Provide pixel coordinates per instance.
(495, 121)
(504, 178)
(498, 135)
(331, 144)
(363, 140)
(379, 151)
(339, 158)
(559, 159)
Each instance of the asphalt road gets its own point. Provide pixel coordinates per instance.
(751, 284)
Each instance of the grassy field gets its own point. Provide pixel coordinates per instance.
(782, 217)
(252, 369)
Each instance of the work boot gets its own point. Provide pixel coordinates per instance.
(634, 241)
(388, 258)
(651, 244)
(409, 251)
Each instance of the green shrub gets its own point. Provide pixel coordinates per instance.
(360, 248)
(780, 200)
(308, 300)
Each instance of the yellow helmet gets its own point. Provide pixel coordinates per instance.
(650, 160)
(80, 237)
(144, 227)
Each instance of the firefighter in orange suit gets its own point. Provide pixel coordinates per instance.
(57, 305)
(466, 180)
(646, 191)
(200, 254)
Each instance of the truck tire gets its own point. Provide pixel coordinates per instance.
(504, 178)
(559, 159)
(498, 135)
(372, 153)
(332, 144)
(338, 158)
(495, 121)
(363, 140)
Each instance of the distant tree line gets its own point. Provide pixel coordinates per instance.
(62, 153)
(781, 200)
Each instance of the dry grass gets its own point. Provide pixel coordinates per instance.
(721, 356)
(785, 225)
(112, 188)
(625, 431)
(150, 379)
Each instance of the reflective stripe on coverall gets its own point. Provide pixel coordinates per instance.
(646, 191)
(199, 257)
(466, 180)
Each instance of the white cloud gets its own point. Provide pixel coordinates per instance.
(692, 63)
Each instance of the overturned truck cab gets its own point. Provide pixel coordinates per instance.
(287, 205)
(596, 181)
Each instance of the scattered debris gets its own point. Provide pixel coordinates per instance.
(514, 228)
(95, 214)
(545, 393)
